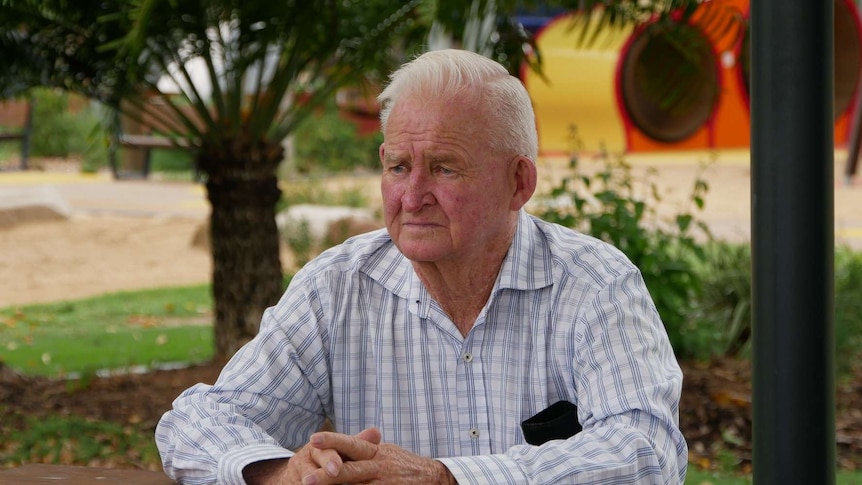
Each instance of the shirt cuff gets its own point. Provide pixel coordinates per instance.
(231, 464)
(484, 469)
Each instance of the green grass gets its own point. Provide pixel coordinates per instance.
(9, 148)
(116, 330)
(848, 478)
(172, 164)
(171, 160)
(700, 477)
(72, 440)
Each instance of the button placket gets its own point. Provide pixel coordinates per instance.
(474, 439)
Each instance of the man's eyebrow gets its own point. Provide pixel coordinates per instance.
(440, 157)
(390, 157)
(431, 157)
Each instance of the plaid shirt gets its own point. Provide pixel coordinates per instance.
(357, 338)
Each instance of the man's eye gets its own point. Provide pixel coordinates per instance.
(397, 169)
(445, 171)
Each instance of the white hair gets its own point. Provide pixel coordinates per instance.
(511, 123)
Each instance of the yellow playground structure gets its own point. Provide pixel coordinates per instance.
(630, 90)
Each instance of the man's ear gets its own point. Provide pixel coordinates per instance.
(381, 152)
(523, 170)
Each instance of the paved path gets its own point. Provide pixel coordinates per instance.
(100, 194)
(728, 207)
(117, 235)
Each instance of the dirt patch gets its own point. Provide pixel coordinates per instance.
(47, 261)
(715, 412)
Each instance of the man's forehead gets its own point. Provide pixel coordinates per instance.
(449, 104)
(442, 120)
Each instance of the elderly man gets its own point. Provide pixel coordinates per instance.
(429, 344)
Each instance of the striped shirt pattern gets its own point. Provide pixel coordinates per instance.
(357, 338)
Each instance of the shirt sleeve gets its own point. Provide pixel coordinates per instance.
(628, 389)
(268, 399)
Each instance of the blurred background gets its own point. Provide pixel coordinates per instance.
(166, 167)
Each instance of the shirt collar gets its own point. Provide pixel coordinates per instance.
(528, 266)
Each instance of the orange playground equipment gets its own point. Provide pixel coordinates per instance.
(604, 95)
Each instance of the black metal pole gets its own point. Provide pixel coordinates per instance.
(792, 241)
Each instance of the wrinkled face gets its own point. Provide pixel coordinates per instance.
(445, 196)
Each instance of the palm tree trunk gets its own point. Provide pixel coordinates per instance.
(247, 276)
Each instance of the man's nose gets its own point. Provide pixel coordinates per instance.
(417, 193)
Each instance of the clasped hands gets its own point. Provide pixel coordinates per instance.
(335, 458)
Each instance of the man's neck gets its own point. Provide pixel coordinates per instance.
(463, 289)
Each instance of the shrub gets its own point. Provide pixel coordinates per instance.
(722, 324)
(848, 308)
(315, 191)
(301, 243)
(607, 204)
(57, 131)
(328, 143)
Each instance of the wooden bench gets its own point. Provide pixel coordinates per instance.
(78, 475)
(145, 143)
(135, 133)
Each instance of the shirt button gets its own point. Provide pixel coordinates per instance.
(468, 357)
(474, 433)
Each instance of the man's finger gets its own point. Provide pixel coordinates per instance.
(359, 472)
(372, 435)
(350, 447)
(327, 459)
(310, 460)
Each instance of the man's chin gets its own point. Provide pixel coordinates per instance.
(419, 252)
(420, 257)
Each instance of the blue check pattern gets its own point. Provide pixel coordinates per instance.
(358, 339)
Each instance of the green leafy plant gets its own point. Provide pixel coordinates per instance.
(57, 130)
(300, 242)
(328, 142)
(96, 153)
(848, 309)
(722, 325)
(64, 125)
(314, 190)
(611, 205)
